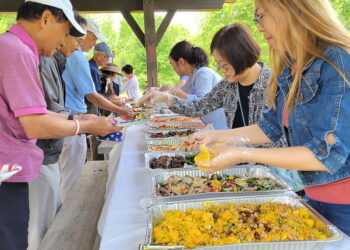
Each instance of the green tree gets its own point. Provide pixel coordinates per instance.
(6, 21)
(129, 50)
(342, 8)
(241, 11)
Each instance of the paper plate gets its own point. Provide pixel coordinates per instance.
(8, 170)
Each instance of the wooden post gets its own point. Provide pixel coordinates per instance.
(150, 43)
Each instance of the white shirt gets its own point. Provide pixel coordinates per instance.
(132, 88)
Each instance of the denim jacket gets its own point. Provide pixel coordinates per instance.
(322, 106)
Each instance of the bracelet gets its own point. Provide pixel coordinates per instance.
(78, 127)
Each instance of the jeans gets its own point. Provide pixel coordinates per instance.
(338, 214)
(14, 216)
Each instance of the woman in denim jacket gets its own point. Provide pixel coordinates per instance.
(309, 100)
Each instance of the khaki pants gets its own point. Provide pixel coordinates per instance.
(72, 161)
(44, 202)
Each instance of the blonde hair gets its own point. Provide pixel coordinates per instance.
(312, 25)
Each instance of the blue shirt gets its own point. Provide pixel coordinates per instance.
(322, 107)
(95, 74)
(201, 83)
(78, 82)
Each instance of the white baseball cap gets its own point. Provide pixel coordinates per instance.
(93, 27)
(66, 7)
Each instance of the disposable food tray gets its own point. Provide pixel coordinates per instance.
(157, 210)
(164, 131)
(164, 141)
(150, 156)
(158, 125)
(241, 170)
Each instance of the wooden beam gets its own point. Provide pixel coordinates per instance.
(150, 43)
(127, 5)
(105, 5)
(188, 4)
(164, 25)
(134, 26)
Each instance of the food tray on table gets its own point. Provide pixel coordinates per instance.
(167, 144)
(164, 148)
(170, 160)
(169, 133)
(164, 115)
(175, 125)
(249, 222)
(252, 180)
(175, 119)
(164, 141)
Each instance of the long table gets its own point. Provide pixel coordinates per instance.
(122, 225)
(125, 221)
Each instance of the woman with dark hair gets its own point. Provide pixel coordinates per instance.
(111, 80)
(131, 82)
(191, 61)
(241, 94)
(111, 85)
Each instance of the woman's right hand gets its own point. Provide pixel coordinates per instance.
(153, 96)
(201, 138)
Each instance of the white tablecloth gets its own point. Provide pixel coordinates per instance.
(123, 223)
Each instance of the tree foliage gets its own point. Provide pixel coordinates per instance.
(6, 21)
(130, 50)
(240, 12)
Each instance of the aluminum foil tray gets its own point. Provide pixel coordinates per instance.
(157, 125)
(164, 115)
(241, 170)
(157, 210)
(164, 141)
(153, 131)
(150, 156)
(150, 148)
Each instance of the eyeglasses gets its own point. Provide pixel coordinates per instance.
(258, 18)
(80, 41)
(223, 67)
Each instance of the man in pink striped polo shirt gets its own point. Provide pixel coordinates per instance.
(42, 26)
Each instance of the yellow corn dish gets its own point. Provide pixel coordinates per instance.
(237, 223)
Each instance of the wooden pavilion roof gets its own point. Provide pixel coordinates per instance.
(129, 5)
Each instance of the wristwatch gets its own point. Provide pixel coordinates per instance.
(70, 117)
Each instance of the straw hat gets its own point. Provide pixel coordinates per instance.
(111, 67)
